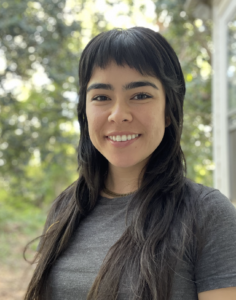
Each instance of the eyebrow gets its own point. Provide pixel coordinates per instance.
(128, 86)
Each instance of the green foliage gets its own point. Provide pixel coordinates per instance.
(37, 133)
(191, 39)
(17, 228)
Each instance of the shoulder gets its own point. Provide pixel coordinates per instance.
(207, 198)
(214, 211)
(215, 266)
(201, 191)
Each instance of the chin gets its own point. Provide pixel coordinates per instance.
(124, 163)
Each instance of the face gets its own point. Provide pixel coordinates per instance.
(126, 114)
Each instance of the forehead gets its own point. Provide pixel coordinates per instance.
(113, 68)
(117, 74)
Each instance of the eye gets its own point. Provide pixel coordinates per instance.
(141, 96)
(100, 98)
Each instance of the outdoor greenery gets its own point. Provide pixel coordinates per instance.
(191, 39)
(40, 46)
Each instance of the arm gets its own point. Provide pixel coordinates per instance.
(219, 294)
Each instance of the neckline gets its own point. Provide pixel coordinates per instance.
(115, 200)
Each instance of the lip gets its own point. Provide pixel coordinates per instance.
(122, 144)
(121, 133)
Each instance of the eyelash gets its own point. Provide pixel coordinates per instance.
(139, 94)
(142, 94)
(100, 96)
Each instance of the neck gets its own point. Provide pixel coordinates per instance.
(123, 180)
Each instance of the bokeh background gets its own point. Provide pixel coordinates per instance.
(40, 47)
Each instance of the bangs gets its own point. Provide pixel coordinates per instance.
(124, 48)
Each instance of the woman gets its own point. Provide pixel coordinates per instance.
(132, 226)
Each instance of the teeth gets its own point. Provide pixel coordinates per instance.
(123, 138)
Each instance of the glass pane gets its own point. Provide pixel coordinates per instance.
(231, 72)
(232, 163)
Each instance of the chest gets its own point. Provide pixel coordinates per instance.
(75, 271)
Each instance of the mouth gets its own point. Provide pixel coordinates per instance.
(123, 138)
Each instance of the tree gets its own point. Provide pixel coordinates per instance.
(191, 39)
(40, 47)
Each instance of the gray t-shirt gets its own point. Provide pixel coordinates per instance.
(74, 272)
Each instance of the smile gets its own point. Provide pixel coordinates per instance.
(123, 138)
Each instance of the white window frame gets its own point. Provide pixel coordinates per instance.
(223, 12)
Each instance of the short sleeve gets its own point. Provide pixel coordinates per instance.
(216, 265)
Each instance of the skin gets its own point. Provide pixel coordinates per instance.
(134, 110)
(125, 110)
(219, 294)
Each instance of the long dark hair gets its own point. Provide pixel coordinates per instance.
(162, 221)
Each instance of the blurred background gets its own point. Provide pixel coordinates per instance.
(40, 47)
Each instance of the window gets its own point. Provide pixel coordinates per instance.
(231, 76)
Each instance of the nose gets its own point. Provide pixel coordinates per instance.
(120, 112)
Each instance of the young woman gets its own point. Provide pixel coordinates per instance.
(132, 226)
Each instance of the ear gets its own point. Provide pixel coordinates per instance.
(167, 121)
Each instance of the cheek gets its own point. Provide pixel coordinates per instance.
(90, 120)
(155, 124)
(95, 123)
(92, 127)
(91, 116)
